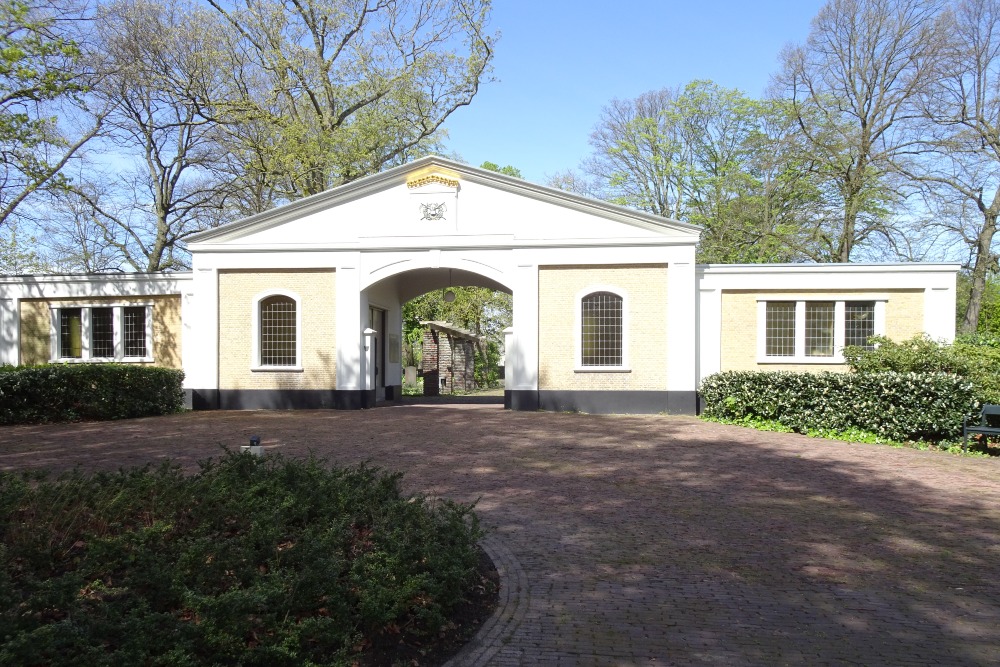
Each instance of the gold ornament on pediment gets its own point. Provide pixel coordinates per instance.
(440, 177)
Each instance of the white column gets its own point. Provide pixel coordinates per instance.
(508, 344)
(708, 333)
(10, 343)
(682, 346)
(522, 356)
(200, 334)
(369, 358)
(939, 313)
(350, 342)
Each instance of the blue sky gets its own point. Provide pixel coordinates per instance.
(558, 62)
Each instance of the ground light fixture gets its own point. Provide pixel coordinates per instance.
(254, 446)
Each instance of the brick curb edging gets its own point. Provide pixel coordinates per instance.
(512, 606)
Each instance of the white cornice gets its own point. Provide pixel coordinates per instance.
(92, 285)
(854, 267)
(63, 278)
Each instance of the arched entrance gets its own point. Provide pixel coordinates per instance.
(392, 286)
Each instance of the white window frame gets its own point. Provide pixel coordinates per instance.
(839, 322)
(118, 319)
(625, 367)
(255, 365)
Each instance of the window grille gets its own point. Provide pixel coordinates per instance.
(71, 333)
(135, 331)
(601, 334)
(277, 331)
(819, 328)
(780, 334)
(102, 332)
(859, 323)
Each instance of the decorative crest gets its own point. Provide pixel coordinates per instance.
(433, 211)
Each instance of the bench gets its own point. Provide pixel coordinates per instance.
(985, 425)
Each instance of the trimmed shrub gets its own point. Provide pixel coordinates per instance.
(70, 392)
(974, 358)
(253, 561)
(896, 406)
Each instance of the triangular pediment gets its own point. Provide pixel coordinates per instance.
(436, 202)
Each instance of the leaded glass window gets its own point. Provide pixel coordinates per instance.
(601, 335)
(819, 328)
(102, 332)
(859, 323)
(134, 322)
(780, 334)
(278, 333)
(71, 333)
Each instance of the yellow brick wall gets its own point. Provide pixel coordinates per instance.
(36, 320)
(646, 290)
(315, 289)
(904, 318)
(904, 314)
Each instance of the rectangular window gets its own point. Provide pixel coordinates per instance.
(106, 333)
(102, 332)
(809, 331)
(780, 328)
(819, 328)
(71, 333)
(135, 331)
(859, 323)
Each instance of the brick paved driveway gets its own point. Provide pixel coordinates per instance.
(658, 540)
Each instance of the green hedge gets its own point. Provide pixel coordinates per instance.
(69, 392)
(897, 406)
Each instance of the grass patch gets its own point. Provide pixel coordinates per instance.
(977, 448)
(251, 561)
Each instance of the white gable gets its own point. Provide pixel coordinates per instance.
(438, 203)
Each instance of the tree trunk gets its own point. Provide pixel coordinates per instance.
(985, 262)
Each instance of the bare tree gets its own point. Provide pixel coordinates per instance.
(164, 80)
(640, 156)
(852, 84)
(958, 155)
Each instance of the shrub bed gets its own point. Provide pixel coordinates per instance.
(897, 406)
(252, 561)
(69, 392)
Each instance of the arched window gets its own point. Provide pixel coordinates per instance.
(601, 330)
(278, 331)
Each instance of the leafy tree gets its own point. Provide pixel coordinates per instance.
(989, 312)
(711, 156)
(18, 255)
(41, 74)
(482, 311)
(507, 170)
(339, 89)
